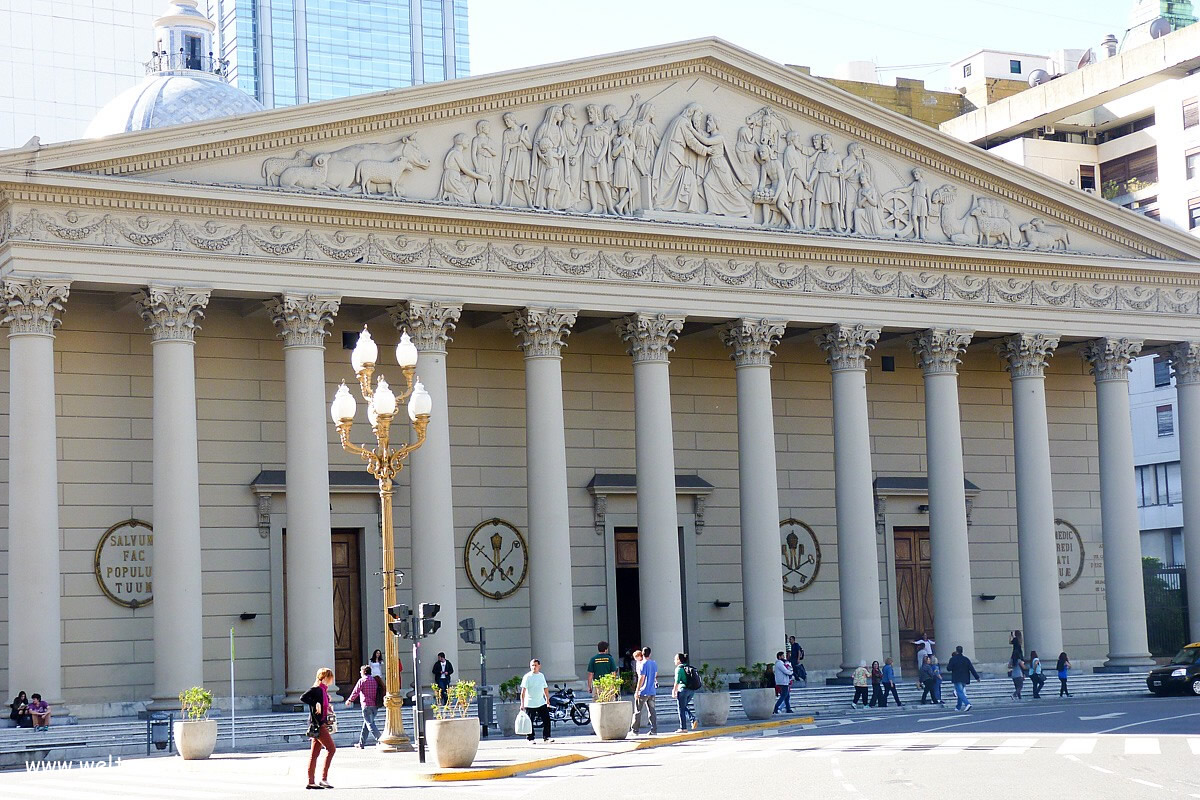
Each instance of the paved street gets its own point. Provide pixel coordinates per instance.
(1127, 748)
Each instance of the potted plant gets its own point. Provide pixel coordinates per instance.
(453, 735)
(610, 714)
(509, 705)
(757, 701)
(712, 701)
(195, 734)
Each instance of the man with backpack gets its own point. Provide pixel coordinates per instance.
(687, 681)
(783, 683)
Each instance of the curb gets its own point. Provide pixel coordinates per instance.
(508, 771)
(708, 734)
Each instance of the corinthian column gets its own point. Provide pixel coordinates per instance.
(846, 347)
(1124, 597)
(1025, 356)
(541, 333)
(430, 323)
(1185, 361)
(302, 320)
(32, 306)
(752, 342)
(171, 315)
(938, 353)
(649, 338)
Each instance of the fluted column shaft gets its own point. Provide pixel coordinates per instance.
(938, 353)
(649, 338)
(1124, 598)
(434, 556)
(32, 308)
(846, 347)
(752, 343)
(1185, 361)
(171, 315)
(302, 321)
(542, 332)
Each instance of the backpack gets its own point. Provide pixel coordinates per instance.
(691, 677)
(769, 677)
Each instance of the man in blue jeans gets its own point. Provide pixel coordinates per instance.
(644, 694)
(961, 672)
(783, 683)
(683, 695)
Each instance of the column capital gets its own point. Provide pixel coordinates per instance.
(939, 350)
(542, 332)
(32, 305)
(1025, 354)
(172, 313)
(1185, 362)
(1110, 357)
(428, 322)
(302, 318)
(650, 337)
(846, 345)
(752, 340)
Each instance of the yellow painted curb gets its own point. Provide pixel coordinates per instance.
(507, 771)
(710, 733)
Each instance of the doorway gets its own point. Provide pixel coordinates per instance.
(629, 600)
(914, 591)
(347, 608)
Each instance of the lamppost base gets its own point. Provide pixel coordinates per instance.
(394, 740)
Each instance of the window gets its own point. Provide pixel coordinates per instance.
(1014, 66)
(1194, 213)
(966, 70)
(1162, 372)
(1130, 173)
(1191, 113)
(1191, 163)
(1158, 484)
(1087, 176)
(1166, 420)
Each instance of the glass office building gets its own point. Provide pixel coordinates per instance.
(297, 51)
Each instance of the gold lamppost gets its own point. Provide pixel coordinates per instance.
(384, 462)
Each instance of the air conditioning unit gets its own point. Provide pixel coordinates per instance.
(1047, 130)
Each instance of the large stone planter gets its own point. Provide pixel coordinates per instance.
(712, 708)
(611, 720)
(195, 738)
(454, 741)
(758, 703)
(506, 717)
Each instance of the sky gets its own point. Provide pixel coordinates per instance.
(913, 38)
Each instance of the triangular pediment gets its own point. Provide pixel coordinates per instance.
(696, 134)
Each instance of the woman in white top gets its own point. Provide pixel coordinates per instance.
(924, 648)
(377, 666)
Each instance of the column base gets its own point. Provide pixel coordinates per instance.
(841, 679)
(1124, 664)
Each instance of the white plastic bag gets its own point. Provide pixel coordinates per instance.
(523, 725)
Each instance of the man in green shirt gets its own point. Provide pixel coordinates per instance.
(601, 664)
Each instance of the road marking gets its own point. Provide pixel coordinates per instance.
(1195, 745)
(1101, 769)
(1013, 747)
(1147, 722)
(954, 745)
(1147, 783)
(1142, 747)
(1081, 747)
(980, 720)
(1110, 715)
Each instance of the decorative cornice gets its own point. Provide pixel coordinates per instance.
(428, 322)
(32, 305)
(847, 346)
(302, 318)
(1185, 362)
(650, 337)
(939, 350)
(172, 313)
(1111, 357)
(542, 331)
(751, 340)
(1025, 354)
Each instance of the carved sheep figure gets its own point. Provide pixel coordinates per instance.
(371, 172)
(1039, 235)
(994, 225)
(272, 168)
(307, 177)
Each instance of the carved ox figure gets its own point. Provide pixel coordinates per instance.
(388, 173)
(343, 164)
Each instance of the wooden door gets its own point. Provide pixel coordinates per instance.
(347, 609)
(914, 591)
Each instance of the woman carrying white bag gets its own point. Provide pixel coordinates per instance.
(535, 700)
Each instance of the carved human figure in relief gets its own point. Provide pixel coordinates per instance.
(679, 162)
(516, 163)
(866, 218)
(771, 193)
(550, 160)
(746, 150)
(919, 209)
(624, 172)
(458, 176)
(483, 158)
(550, 130)
(826, 178)
(797, 165)
(645, 144)
(570, 129)
(726, 189)
(593, 157)
(854, 166)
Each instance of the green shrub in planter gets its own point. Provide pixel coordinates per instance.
(454, 701)
(753, 676)
(510, 690)
(196, 702)
(607, 688)
(712, 679)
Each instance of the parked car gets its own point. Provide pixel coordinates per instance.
(1181, 674)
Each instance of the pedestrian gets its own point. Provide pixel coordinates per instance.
(320, 719)
(1064, 667)
(937, 680)
(1036, 678)
(600, 665)
(926, 678)
(961, 672)
(683, 693)
(877, 698)
(376, 664)
(369, 693)
(861, 676)
(442, 670)
(889, 682)
(783, 684)
(1018, 678)
(644, 694)
(924, 648)
(535, 699)
(627, 661)
(796, 657)
(1018, 644)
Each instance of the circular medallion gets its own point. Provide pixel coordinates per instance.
(496, 558)
(1069, 554)
(801, 555)
(124, 561)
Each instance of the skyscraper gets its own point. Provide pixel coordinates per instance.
(296, 51)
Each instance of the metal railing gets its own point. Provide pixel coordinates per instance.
(164, 61)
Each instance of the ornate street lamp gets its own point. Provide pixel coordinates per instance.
(384, 462)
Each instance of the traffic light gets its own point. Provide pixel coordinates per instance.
(467, 634)
(400, 625)
(427, 625)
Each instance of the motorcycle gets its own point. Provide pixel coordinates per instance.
(563, 705)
